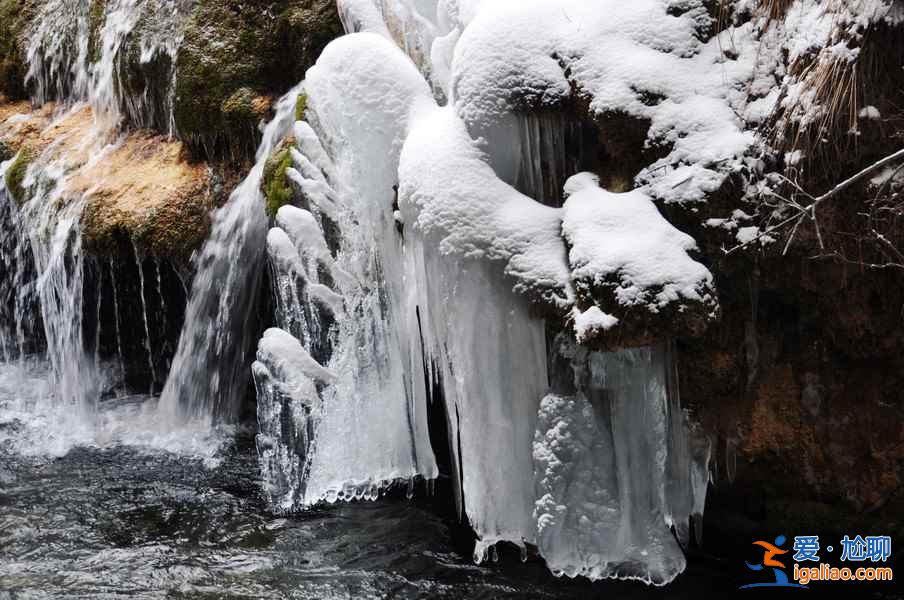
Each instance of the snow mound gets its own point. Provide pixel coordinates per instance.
(449, 192)
(620, 242)
(635, 58)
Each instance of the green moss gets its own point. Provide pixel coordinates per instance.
(97, 16)
(232, 46)
(239, 107)
(15, 174)
(301, 105)
(275, 184)
(14, 16)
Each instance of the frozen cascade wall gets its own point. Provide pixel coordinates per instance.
(616, 467)
(356, 411)
(449, 244)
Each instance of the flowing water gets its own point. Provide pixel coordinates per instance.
(134, 522)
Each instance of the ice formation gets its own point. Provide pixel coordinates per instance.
(412, 265)
(614, 468)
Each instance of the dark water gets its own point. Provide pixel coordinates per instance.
(127, 523)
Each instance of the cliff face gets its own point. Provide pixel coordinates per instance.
(210, 81)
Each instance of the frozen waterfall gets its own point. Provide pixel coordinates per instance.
(386, 293)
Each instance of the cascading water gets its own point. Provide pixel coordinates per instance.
(77, 52)
(75, 56)
(208, 376)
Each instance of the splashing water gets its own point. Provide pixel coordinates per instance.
(75, 55)
(209, 373)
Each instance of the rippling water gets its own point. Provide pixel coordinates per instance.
(123, 509)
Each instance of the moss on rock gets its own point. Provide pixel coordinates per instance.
(301, 106)
(276, 187)
(234, 52)
(97, 16)
(15, 173)
(14, 17)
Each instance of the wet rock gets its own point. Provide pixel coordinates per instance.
(14, 16)
(234, 58)
(146, 195)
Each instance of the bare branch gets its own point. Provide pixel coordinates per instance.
(810, 209)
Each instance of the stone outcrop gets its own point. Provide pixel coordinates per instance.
(146, 191)
(235, 58)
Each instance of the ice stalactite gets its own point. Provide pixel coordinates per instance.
(491, 360)
(208, 376)
(614, 468)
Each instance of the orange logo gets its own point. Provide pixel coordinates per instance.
(771, 551)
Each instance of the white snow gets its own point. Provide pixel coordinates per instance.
(624, 237)
(518, 53)
(590, 322)
(449, 192)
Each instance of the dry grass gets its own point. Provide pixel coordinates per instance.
(773, 10)
(824, 122)
(833, 87)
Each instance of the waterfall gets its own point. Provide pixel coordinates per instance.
(208, 376)
(75, 56)
(77, 52)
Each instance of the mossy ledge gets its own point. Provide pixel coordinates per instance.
(235, 58)
(276, 187)
(15, 173)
